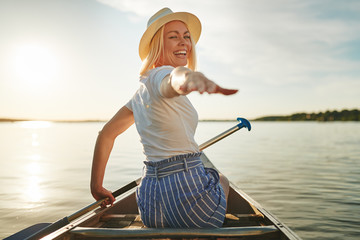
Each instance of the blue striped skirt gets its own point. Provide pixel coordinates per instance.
(179, 192)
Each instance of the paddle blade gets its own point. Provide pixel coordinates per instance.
(25, 233)
(39, 230)
(244, 123)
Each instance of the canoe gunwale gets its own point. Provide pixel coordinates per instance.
(281, 226)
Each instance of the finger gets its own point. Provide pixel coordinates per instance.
(106, 203)
(200, 87)
(191, 86)
(111, 199)
(103, 204)
(226, 91)
(211, 87)
(185, 88)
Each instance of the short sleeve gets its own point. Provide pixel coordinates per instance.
(157, 76)
(129, 105)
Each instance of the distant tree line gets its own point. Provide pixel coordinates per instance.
(344, 115)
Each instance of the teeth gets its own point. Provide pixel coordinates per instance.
(180, 53)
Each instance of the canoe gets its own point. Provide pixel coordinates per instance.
(245, 219)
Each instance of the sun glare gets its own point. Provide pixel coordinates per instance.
(35, 65)
(33, 193)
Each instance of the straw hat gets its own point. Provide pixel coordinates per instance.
(162, 17)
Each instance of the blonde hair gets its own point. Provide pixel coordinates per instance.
(156, 49)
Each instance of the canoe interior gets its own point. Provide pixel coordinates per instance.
(124, 214)
(245, 219)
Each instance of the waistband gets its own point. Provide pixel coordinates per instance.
(172, 165)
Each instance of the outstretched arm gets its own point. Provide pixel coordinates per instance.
(122, 120)
(182, 81)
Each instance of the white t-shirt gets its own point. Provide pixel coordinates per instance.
(166, 125)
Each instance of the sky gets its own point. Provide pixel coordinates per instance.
(78, 59)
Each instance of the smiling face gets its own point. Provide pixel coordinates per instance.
(177, 45)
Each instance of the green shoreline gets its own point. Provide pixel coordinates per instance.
(328, 116)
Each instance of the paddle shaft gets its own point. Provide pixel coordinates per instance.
(218, 137)
(243, 123)
(94, 205)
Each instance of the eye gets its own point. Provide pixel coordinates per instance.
(172, 37)
(187, 37)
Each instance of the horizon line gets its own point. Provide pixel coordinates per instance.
(7, 119)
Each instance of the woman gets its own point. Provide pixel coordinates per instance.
(176, 189)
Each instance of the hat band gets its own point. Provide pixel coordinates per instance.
(159, 15)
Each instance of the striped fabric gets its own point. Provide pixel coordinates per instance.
(180, 193)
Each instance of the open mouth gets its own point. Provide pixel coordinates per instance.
(180, 53)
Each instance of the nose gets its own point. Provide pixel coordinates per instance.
(182, 42)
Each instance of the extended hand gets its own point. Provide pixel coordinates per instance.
(196, 81)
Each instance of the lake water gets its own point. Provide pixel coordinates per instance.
(306, 173)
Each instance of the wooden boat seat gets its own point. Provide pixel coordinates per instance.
(134, 220)
(91, 232)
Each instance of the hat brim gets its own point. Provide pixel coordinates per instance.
(192, 22)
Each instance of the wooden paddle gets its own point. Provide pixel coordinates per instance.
(40, 230)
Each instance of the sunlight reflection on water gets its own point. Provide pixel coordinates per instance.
(32, 193)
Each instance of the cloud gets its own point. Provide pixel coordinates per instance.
(281, 42)
(139, 8)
